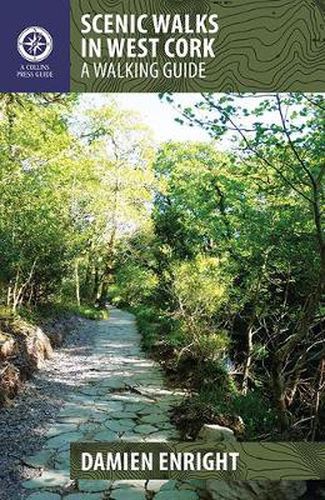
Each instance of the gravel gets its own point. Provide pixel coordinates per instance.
(24, 424)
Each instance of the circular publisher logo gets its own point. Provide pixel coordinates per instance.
(35, 44)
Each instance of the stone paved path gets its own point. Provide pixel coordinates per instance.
(122, 398)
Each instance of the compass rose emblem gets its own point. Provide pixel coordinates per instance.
(35, 44)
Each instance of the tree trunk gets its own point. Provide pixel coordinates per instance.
(9, 293)
(86, 289)
(105, 283)
(107, 276)
(15, 292)
(278, 388)
(248, 361)
(319, 390)
(250, 329)
(96, 287)
(77, 282)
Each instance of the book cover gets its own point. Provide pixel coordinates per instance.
(162, 251)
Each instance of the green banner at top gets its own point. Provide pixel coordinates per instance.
(162, 46)
(191, 46)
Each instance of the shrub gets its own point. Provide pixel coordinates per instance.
(200, 287)
(47, 311)
(147, 323)
(90, 312)
(212, 346)
(255, 410)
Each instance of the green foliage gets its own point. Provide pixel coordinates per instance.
(199, 286)
(212, 345)
(148, 325)
(134, 285)
(255, 409)
(258, 414)
(238, 252)
(35, 223)
(191, 213)
(5, 312)
(220, 255)
(90, 312)
(65, 201)
(56, 309)
(257, 210)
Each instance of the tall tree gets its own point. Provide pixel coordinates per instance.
(120, 152)
(279, 144)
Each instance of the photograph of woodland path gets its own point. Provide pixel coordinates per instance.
(176, 230)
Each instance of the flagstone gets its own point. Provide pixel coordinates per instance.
(105, 435)
(71, 420)
(151, 409)
(118, 415)
(90, 391)
(177, 495)
(63, 440)
(132, 437)
(193, 484)
(145, 429)
(169, 485)
(83, 496)
(46, 495)
(62, 460)
(48, 479)
(128, 494)
(155, 485)
(157, 437)
(112, 383)
(166, 426)
(111, 406)
(134, 407)
(59, 428)
(121, 425)
(82, 399)
(89, 427)
(40, 459)
(136, 484)
(93, 486)
(75, 411)
(122, 399)
(97, 418)
(158, 419)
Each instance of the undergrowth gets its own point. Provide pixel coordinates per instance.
(46, 311)
(214, 392)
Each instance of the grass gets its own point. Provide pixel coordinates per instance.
(90, 312)
(254, 408)
(47, 311)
